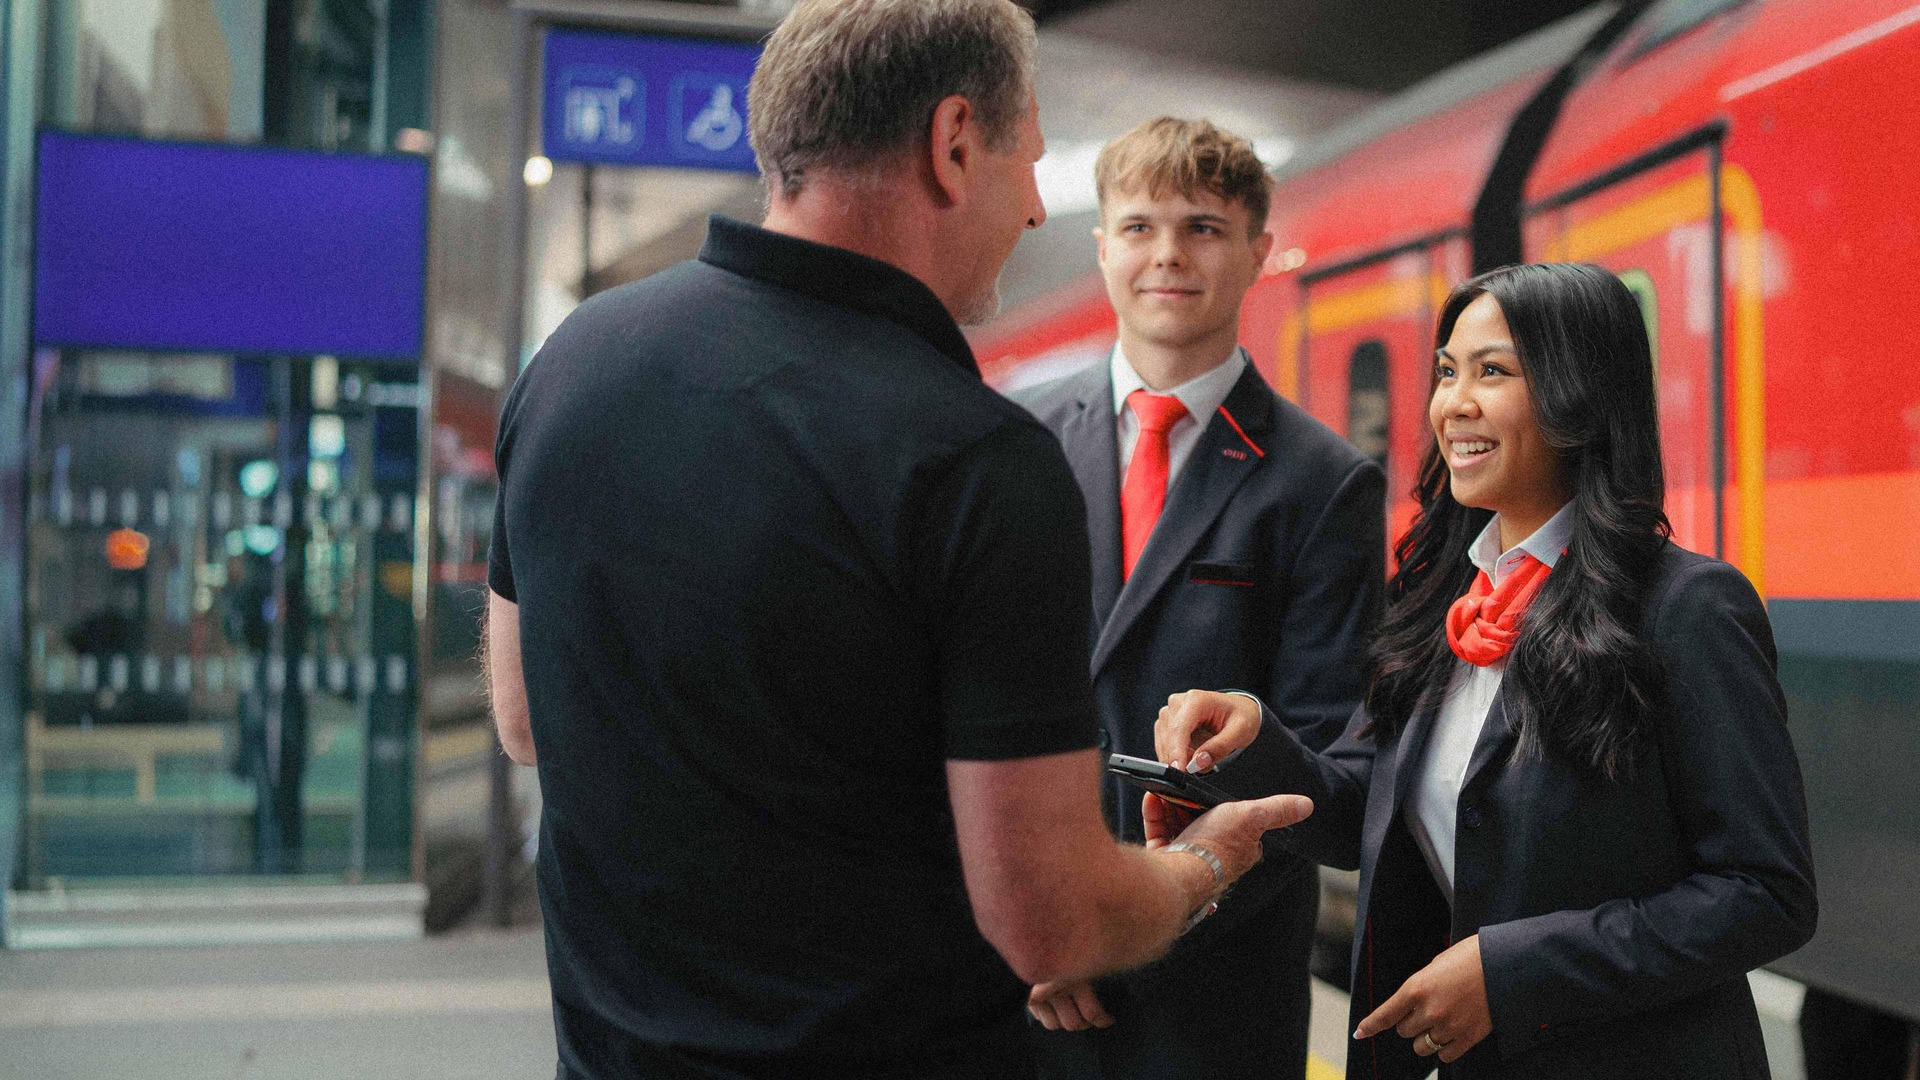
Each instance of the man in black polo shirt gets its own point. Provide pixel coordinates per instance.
(790, 609)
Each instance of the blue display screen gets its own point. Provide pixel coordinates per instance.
(630, 99)
(198, 247)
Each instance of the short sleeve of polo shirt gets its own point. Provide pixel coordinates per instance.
(499, 566)
(1001, 537)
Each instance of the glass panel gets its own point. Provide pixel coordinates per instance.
(322, 70)
(164, 68)
(1367, 404)
(295, 72)
(464, 488)
(216, 545)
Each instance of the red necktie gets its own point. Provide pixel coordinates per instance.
(1144, 492)
(1483, 625)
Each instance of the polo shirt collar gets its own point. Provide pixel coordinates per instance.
(836, 276)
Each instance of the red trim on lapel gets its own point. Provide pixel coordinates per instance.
(1255, 447)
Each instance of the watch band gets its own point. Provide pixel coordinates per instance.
(1219, 880)
(1205, 856)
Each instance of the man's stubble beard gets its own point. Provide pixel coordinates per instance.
(981, 308)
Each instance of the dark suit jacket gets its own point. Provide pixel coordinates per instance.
(1617, 920)
(1264, 573)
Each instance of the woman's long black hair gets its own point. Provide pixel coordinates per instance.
(1579, 681)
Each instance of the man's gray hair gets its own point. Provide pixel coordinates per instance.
(844, 84)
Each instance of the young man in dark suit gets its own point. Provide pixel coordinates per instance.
(1236, 541)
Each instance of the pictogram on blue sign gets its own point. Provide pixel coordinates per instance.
(708, 120)
(602, 106)
(628, 99)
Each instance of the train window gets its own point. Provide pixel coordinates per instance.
(1640, 283)
(1367, 400)
(1675, 17)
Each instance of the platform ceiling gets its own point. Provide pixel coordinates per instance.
(1376, 45)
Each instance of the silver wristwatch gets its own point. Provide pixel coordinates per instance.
(1219, 880)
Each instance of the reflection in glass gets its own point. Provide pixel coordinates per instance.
(206, 689)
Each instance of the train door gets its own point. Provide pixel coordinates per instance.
(1363, 359)
(1658, 222)
(220, 619)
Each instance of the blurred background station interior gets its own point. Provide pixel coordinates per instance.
(268, 267)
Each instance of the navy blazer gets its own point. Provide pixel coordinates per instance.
(1273, 514)
(1617, 920)
(1264, 572)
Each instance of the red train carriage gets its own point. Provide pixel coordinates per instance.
(1745, 168)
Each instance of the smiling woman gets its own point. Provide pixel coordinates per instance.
(1572, 768)
(1543, 399)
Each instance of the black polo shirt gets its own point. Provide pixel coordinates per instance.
(779, 554)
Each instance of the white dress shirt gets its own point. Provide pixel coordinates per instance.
(1434, 804)
(1202, 395)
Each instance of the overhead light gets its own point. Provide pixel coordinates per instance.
(1065, 174)
(539, 170)
(1285, 262)
(1065, 177)
(413, 141)
(1274, 150)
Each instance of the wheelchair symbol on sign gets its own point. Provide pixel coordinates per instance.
(718, 126)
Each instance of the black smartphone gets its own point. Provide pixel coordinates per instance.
(1183, 789)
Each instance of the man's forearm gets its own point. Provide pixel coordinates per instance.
(1053, 891)
(1134, 909)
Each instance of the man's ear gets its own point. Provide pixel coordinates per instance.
(1262, 247)
(953, 146)
(1100, 245)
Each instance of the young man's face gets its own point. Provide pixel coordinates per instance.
(1178, 266)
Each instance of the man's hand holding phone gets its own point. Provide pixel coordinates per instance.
(1231, 831)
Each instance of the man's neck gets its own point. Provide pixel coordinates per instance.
(1163, 367)
(868, 219)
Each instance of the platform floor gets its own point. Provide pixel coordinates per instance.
(471, 1004)
(463, 1006)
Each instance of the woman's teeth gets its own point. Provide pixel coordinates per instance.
(1472, 447)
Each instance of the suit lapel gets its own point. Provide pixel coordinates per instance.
(1412, 752)
(1493, 739)
(1495, 735)
(1490, 744)
(1231, 447)
(1093, 451)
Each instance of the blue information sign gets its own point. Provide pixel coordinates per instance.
(628, 99)
(174, 246)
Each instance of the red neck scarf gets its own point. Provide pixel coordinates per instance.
(1483, 625)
